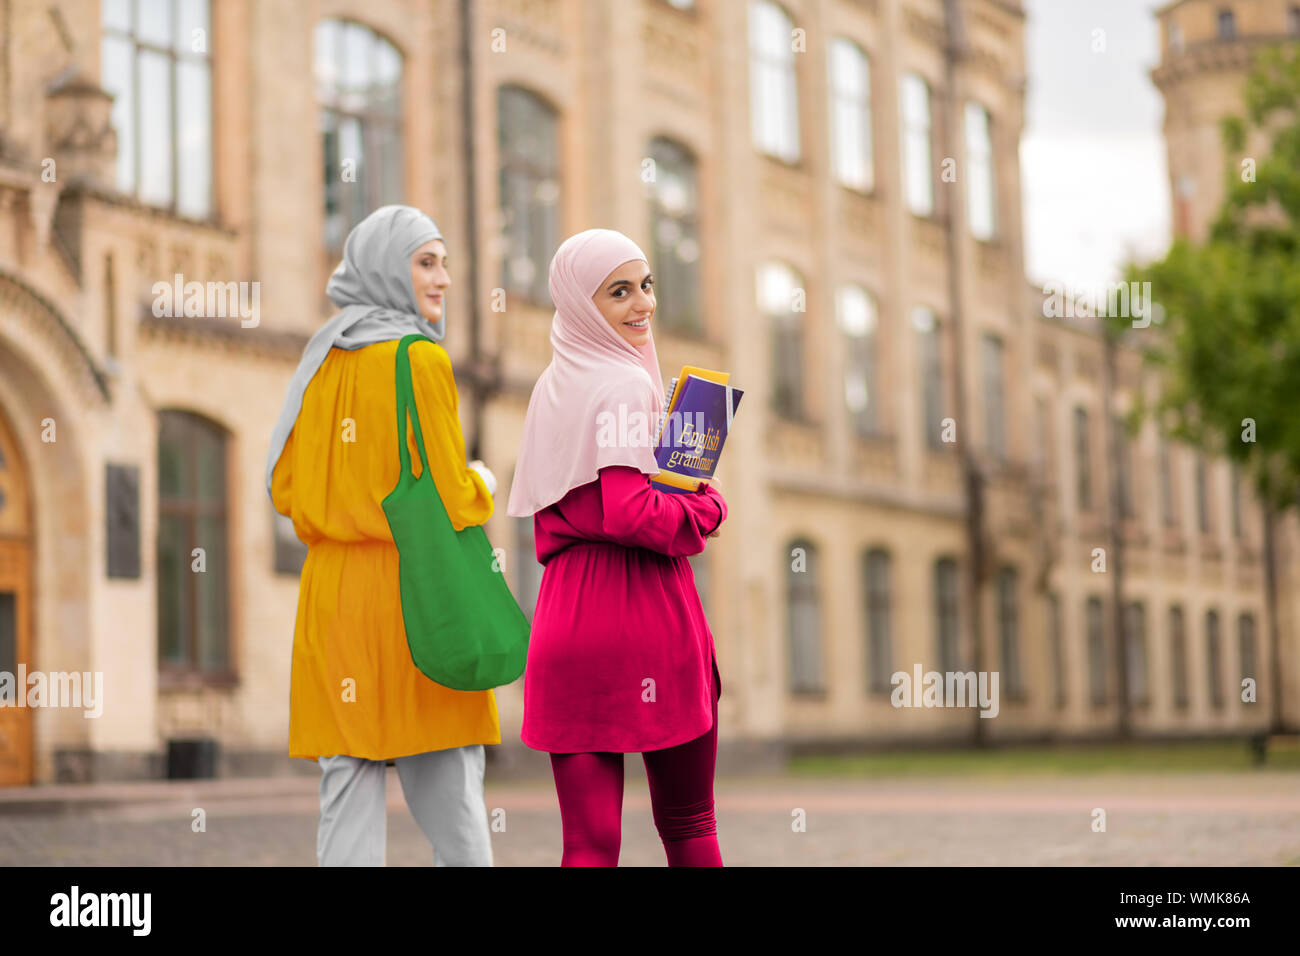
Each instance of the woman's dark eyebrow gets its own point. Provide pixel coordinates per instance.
(618, 282)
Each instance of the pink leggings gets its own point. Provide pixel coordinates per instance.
(590, 789)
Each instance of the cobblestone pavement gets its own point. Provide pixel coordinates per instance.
(1214, 820)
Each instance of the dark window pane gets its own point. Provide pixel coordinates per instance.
(211, 618)
(1178, 646)
(804, 622)
(174, 605)
(9, 634)
(122, 506)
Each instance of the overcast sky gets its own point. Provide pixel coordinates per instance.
(1094, 176)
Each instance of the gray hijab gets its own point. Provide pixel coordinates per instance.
(372, 288)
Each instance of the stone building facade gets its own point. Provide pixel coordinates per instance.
(833, 210)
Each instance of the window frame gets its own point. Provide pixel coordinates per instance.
(917, 132)
(194, 429)
(175, 54)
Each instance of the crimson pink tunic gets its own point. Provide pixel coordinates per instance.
(617, 608)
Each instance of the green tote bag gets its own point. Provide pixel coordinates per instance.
(463, 626)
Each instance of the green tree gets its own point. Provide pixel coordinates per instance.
(1226, 342)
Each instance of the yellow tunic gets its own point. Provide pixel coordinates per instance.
(354, 689)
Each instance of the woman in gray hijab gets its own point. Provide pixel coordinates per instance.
(356, 699)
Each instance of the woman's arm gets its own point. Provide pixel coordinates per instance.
(637, 515)
(462, 489)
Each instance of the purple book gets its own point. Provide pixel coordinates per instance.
(692, 434)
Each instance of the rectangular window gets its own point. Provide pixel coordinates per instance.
(981, 193)
(855, 311)
(1166, 485)
(1125, 468)
(931, 361)
(1082, 459)
(780, 297)
(1202, 495)
(1136, 653)
(918, 172)
(994, 398)
(946, 614)
(1096, 651)
(675, 234)
(193, 559)
(804, 622)
(1234, 486)
(155, 62)
(1056, 639)
(1009, 630)
(774, 98)
(1214, 657)
(879, 622)
(1227, 25)
(1246, 640)
(850, 82)
(1178, 658)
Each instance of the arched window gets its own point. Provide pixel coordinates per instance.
(1136, 659)
(850, 83)
(946, 614)
(803, 624)
(675, 237)
(1178, 657)
(773, 88)
(193, 586)
(1009, 630)
(156, 62)
(981, 191)
(1214, 658)
(918, 171)
(528, 148)
(930, 358)
(855, 312)
(1096, 624)
(781, 299)
(879, 614)
(359, 88)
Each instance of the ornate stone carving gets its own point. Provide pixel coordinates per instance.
(79, 132)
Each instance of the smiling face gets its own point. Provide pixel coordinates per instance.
(627, 301)
(429, 278)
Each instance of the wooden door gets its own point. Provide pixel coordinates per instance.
(15, 609)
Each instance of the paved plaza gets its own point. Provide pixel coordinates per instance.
(1224, 819)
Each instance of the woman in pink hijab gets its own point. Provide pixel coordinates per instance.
(620, 659)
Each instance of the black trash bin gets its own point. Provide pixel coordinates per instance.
(191, 759)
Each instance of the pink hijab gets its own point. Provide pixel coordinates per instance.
(596, 388)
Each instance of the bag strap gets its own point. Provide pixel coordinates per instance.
(405, 403)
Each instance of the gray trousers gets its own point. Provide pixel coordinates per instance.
(443, 789)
